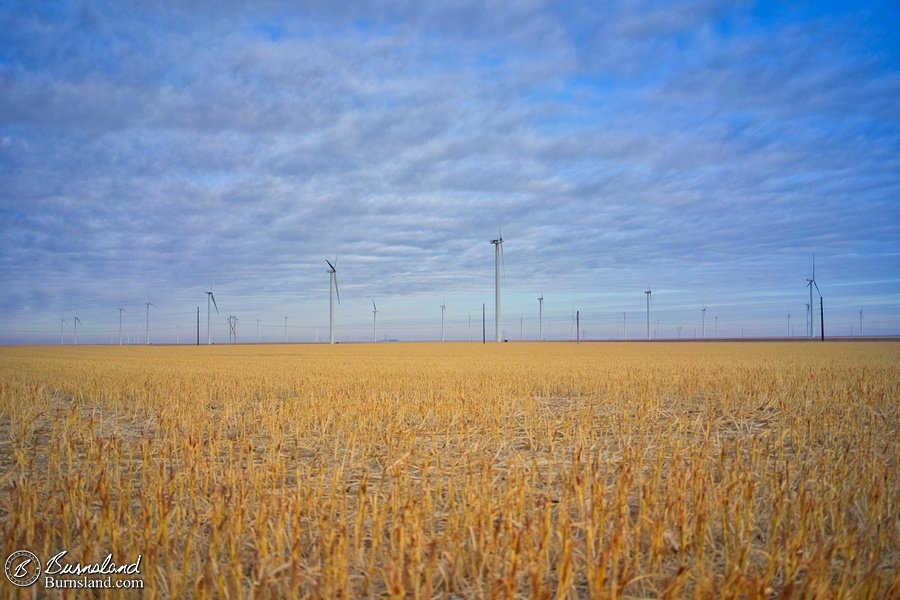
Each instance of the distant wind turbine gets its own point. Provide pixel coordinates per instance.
(149, 304)
(333, 288)
(789, 324)
(498, 258)
(649, 292)
(703, 322)
(62, 341)
(860, 321)
(541, 316)
(75, 324)
(812, 282)
(210, 296)
(624, 332)
(285, 328)
(443, 309)
(121, 310)
(374, 315)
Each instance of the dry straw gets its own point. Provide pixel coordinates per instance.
(461, 470)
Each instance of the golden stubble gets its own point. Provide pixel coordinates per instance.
(538, 470)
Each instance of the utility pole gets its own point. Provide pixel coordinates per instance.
(822, 316)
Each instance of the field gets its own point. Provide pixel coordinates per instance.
(457, 470)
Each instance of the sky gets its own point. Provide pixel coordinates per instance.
(708, 151)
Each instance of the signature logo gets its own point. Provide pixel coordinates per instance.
(23, 568)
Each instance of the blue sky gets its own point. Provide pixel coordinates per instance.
(706, 149)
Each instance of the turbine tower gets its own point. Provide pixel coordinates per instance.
(210, 296)
(332, 287)
(541, 317)
(789, 324)
(75, 328)
(374, 313)
(149, 304)
(812, 282)
(649, 292)
(121, 310)
(624, 332)
(62, 341)
(860, 321)
(443, 309)
(807, 319)
(498, 257)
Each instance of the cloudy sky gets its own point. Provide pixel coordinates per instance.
(707, 149)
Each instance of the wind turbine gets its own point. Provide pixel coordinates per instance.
(62, 341)
(210, 296)
(498, 258)
(332, 287)
(789, 324)
(703, 321)
(649, 292)
(149, 304)
(75, 328)
(443, 309)
(285, 328)
(541, 317)
(624, 332)
(812, 282)
(374, 314)
(121, 310)
(860, 321)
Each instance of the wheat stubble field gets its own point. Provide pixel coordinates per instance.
(457, 470)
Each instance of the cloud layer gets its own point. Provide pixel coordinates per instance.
(707, 150)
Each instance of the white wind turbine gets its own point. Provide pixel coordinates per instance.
(541, 317)
(121, 310)
(210, 297)
(149, 304)
(498, 258)
(624, 331)
(812, 282)
(860, 321)
(703, 321)
(443, 309)
(374, 315)
(75, 328)
(649, 292)
(62, 341)
(333, 288)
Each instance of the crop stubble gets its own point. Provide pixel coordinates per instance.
(461, 470)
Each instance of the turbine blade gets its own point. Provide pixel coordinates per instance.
(817, 287)
(213, 296)
(330, 265)
(375, 308)
(336, 290)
